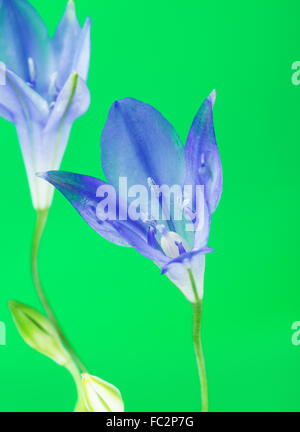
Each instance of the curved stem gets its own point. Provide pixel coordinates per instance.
(80, 405)
(197, 318)
(40, 225)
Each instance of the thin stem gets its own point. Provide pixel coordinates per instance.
(197, 314)
(40, 225)
(80, 405)
(197, 318)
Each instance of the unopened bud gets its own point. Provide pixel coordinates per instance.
(100, 396)
(38, 332)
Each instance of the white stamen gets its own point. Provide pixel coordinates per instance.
(153, 186)
(32, 70)
(52, 86)
(169, 244)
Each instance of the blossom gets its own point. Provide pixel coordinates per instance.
(138, 144)
(45, 88)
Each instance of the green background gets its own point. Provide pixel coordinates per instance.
(130, 324)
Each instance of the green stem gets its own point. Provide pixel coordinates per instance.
(80, 405)
(197, 318)
(40, 225)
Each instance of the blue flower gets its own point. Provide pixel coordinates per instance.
(45, 86)
(140, 146)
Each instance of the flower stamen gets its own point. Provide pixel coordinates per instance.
(32, 71)
(181, 248)
(172, 244)
(189, 213)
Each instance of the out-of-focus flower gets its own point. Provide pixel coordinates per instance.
(45, 86)
(101, 396)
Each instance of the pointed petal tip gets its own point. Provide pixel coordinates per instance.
(117, 105)
(71, 11)
(71, 4)
(88, 22)
(186, 257)
(42, 175)
(164, 270)
(48, 176)
(124, 101)
(213, 96)
(207, 250)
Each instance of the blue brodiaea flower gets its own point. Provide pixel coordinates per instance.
(138, 144)
(44, 89)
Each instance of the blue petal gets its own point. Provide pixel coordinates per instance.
(139, 143)
(82, 54)
(23, 35)
(203, 164)
(72, 102)
(202, 229)
(71, 46)
(19, 102)
(185, 257)
(4, 113)
(81, 191)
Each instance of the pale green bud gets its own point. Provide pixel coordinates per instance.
(38, 332)
(101, 396)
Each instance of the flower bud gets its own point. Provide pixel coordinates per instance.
(38, 332)
(101, 396)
